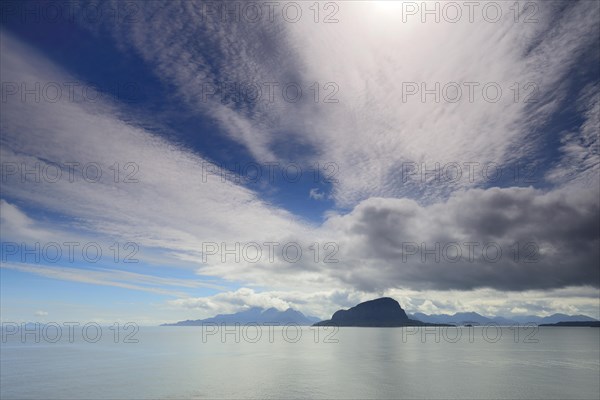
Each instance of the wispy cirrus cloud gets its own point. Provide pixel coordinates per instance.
(375, 126)
(580, 159)
(373, 129)
(109, 277)
(220, 211)
(170, 204)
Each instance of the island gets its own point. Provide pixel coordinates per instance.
(591, 324)
(384, 312)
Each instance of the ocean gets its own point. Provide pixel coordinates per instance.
(292, 363)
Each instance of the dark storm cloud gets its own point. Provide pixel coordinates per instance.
(547, 240)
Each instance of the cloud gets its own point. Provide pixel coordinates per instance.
(18, 226)
(41, 313)
(171, 205)
(580, 159)
(232, 301)
(489, 302)
(369, 134)
(384, 242)
(315, 194)
(510, 239)
(110, 277)
(316, 303)
(373, 128)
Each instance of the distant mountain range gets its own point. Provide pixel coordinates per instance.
(474, 318)
(382, 312)
(254, 315)
(386, 312)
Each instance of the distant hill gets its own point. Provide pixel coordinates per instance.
(553, 319)
(254, 315)
(459, 318)
(591, 324)
(382, 312)
(473, 318)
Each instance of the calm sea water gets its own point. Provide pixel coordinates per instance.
(365, 363)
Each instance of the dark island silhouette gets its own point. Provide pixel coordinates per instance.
(384, 312)
(591, 324)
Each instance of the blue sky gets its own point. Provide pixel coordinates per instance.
(386, 128)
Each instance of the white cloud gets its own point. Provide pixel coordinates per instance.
(172, 206)
(315, 194)
(232, 301)
(580, 160)
(18, 226)
(372, 131)
(368, 134)
(571, 300)
(111, 277)
(315, 303)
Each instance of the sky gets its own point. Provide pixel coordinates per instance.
(174, 160)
